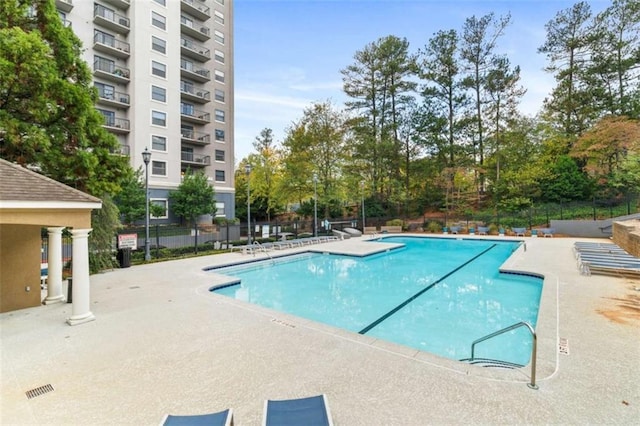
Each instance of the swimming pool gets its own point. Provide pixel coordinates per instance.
(434, 294)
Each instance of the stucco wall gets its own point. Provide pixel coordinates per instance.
(627, 235)
(20, 267)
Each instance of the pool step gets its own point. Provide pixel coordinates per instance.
(491, 363)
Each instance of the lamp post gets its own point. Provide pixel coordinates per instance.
(362, 207)
(247, 170)
(146, 157)
(315, 204)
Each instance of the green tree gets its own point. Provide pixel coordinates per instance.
(47, 100)
(105, 222)
(130, 200)
(266, 172)
(566, 182)
(567, 48)
(194, 197)
(477, 50)
(48, 119)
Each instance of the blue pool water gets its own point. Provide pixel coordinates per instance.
(435, 295)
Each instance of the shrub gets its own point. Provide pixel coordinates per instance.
(432, 227)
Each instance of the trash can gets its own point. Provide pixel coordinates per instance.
(124, 257)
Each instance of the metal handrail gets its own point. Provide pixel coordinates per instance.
(534, 348)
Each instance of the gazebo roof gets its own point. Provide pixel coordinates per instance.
(18, 184)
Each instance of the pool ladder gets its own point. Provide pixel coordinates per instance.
(534, 348)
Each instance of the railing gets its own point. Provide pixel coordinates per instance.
(534, 348)
(110, 68)
(195, 47)
(201, 137)
(194, 91)
(118, 123)
(195, 158)
(194, 113)
(110, 15)
(102, 38)
(120, 97)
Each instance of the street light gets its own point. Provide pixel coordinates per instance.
(315, 205)
(146, 157)
(247, 170)
(362, 208)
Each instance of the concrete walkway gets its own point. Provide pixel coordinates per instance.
(163, 343)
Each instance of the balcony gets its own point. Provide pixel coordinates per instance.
(64, 5)
(190, 93)
(194, 50)
(115, 99)
(120, 4)
(111, 72)
(200, 75)
(195, 138)
(196, 30)
(195, 8)
(191, 159)
(116, 125)
(108, 19)
(106, 44)
(124, 150)
(195, 116)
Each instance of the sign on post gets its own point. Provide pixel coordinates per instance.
(128, 241)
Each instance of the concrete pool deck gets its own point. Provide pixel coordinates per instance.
(162, 343)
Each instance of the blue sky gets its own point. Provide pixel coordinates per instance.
(289, 53)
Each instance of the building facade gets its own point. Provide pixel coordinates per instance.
(164, 74)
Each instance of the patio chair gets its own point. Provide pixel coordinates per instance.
(483, 230)
(222, 418)
(311, 411)
(455, 229)
(520, 232)
(548, 232)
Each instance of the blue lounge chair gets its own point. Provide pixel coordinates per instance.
(483, 230)
(312, 411)
(222, 418)
(520, 232)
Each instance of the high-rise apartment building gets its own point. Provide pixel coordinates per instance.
(164, 74)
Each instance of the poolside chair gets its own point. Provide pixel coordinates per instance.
(455, 229)
(483, 230)
(222, 418)
(548, 232)
(520, 232)
(311, 411)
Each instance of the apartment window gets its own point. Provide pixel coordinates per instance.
(158, 44)
(186, 65)
(218, 36)
(164, 204)
(105, 91)
(104, 38)
(219, 155)
(187, 109)
(158, 21)
(218, 17)
(220, 2)
(219, 76)
(158, 168)
(219, 175)
(186, 86)
(159, 118)
(109, 117)
(158, 69)
(220, 115)
(219, 56)
(219, 135)
(220, 210)
(219, 95)
(186, 21)
(158, 93)
(161, 2)
(158, 143)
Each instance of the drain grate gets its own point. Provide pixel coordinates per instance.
(39, 391)
(563, 346)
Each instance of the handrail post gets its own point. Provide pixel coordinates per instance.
(534, 348)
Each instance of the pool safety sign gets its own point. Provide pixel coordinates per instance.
(128, 241)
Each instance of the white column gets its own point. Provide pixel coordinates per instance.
(54, 258)
(80, 293)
